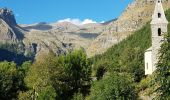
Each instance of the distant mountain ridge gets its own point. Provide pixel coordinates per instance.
(62, 37)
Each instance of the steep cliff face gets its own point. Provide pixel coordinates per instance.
(8, 16)
(6, 33)
(7, 20)
(134, 17)
(9, 30)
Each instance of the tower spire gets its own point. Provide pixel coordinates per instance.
(159, 25)
(159, 15)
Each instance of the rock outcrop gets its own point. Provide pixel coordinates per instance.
(10, 32)
(137, 14)
(6, 32)
(8, 16)
(62, 37)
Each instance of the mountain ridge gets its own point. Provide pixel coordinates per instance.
(137, 14)
(94, 38)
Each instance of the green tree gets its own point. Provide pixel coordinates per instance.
(9, 80)
(57, 77)
(126, 56)
(163, 71)
(38, 79)
(77, 73)
(131, 61)
(113, 87)
(78, 96)
(78, 69)
(24, 68)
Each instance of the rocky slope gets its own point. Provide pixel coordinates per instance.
(59, 37)
(134, 17)
(43, 37)
(9, 30)
(62, 37)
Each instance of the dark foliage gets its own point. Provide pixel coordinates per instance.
(13, 52)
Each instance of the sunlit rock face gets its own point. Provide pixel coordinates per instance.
(7, 20)
(63, 37)
(137, 14)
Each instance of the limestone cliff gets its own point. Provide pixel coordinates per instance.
(134, 17)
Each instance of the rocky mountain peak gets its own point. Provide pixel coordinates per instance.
(62, 37)
(9, 30)
(8, 16)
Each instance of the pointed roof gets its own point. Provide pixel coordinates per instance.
(149, 49)
(159, 11)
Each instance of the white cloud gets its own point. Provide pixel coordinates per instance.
(102, 22)
(87, 21)
(78, 21)
(73, 21)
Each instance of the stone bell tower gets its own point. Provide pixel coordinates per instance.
(159, 25)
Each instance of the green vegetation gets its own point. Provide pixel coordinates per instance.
(58, 77)
(116, 74)
(13, 52)
(162, 75)
(113, 87)
(11, 80)
(162, 79)
(127, 56)
(121, 68)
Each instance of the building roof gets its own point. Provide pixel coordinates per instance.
(159, 9)
(149, 49)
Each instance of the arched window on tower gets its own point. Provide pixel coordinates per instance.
(159, 31)
(159, 15)
(158, 1)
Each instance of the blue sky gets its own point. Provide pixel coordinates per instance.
(33, 11)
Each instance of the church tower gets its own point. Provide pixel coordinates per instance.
(159, 25)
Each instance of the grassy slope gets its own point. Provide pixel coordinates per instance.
(127, 54)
